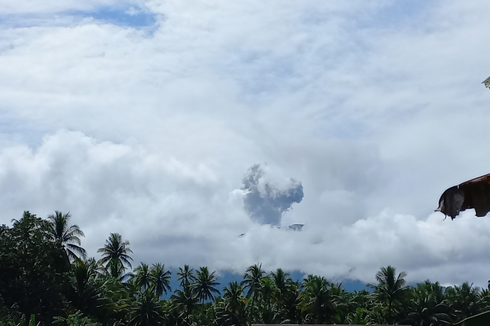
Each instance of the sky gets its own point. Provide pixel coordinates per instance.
(201, 130)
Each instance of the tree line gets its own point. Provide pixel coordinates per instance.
(46, 278)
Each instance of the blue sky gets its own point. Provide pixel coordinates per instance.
(119, 16)
(130, 17)
(143, 118)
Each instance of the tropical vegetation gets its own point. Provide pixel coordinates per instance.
(47, 279)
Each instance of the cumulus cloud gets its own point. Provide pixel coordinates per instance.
(70, 171)
(266, 202)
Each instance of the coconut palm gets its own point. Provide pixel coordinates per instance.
(269, 308)
(361, 316)
(342, 300)
(290, 300)
(205, 285)
(84, 292)
(464, 300)
(230, 310)
(390, 290)
(233, 296)
(183, 303)
(485, 298)
(142, 277)
(280, 278)
(67, 236)
(316, 300)
(251, 281)
(160, 279)
(115, 270)
(186, 276)
(428, 306)
(115, 255)
(146, 311)
(287, 292)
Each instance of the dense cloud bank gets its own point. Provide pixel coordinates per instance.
(145, 196)
(359, 114)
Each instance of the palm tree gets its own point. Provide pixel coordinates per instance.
(186, 276)
(183, 303)
(251, 280)
(269, 308)
(280, 278)
(160, 279)
(84, 293)
(115, 270)
(142, 276)
(485, 298)
(230, 310)
(464, 300)
(205, 285)
(391, 289)
(67, 236)
(342, 301)
(361, 316)
(428, 306)
(115, 255)
(290, 301)
(287, 293)
(147, 311)
(233, 296)
(316, 300)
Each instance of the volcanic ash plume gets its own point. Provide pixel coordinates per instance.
(266, 200)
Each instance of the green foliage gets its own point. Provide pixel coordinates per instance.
(186, 276)
(183, 303)
(231, 309)
(33, 269)
(146, 310)
(40, 284)
(115, 256)
(142, 276)
(251, 281)
(391, 290)
(32, 320)
(76, 319)
(464, 301)
(66, 236)
(84, 291)
(428, 305)
(160, 279)
(204, 285)
(316, 300)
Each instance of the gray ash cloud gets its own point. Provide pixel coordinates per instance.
(264, 201)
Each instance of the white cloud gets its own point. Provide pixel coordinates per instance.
(150, 134)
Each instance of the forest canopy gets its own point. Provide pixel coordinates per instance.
(46, 278)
